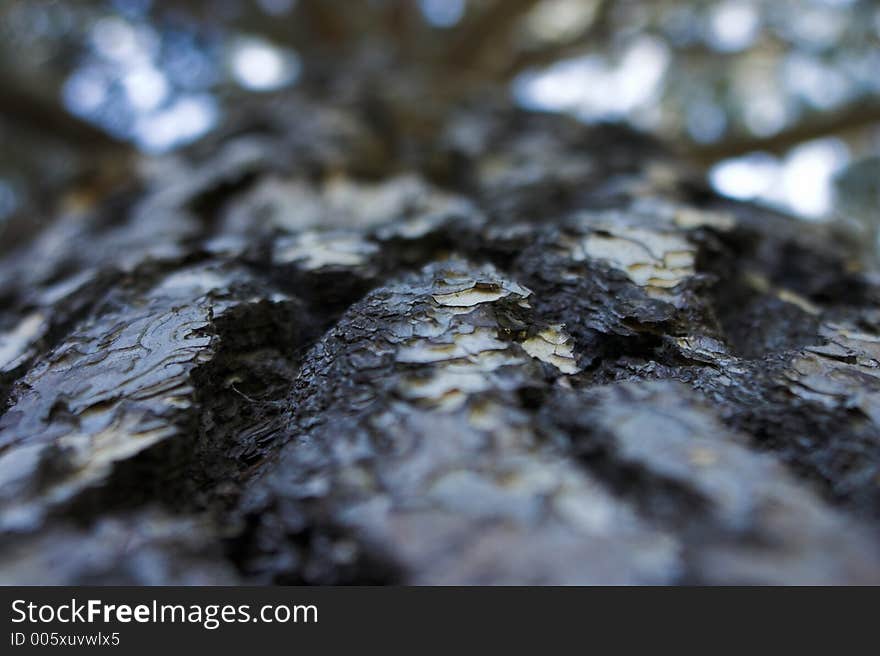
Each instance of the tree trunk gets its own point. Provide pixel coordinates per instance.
(507, 349)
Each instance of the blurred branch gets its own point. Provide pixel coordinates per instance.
(486, 31)
(584, 41)
(848, 119)
(403, 20)
(310, 25)
(325, 19)
(42, 115)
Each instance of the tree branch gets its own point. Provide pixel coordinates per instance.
(39, 114)
(585, 40)
(847, 119)
(478, 37)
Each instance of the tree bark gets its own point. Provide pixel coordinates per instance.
(520, 351)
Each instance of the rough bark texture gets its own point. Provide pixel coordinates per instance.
(316, 350)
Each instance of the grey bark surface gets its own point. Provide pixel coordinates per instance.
(317, 350)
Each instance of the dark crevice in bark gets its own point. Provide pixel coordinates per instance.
(844, 466)
(242, 395)
(309, 554)
(752, 318)
(663, 499)
(660, 499)
(239, 413)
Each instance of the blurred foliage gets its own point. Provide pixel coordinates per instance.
(795, 81)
